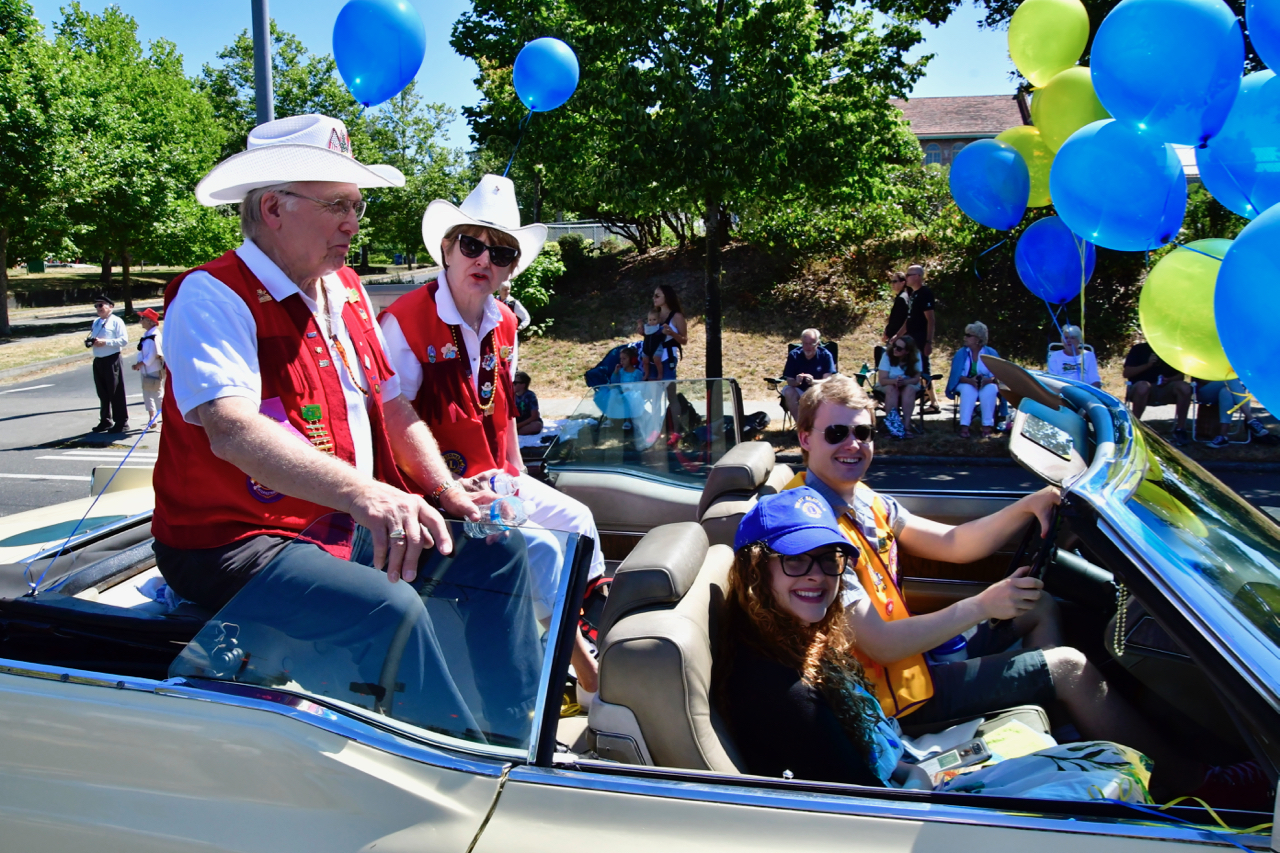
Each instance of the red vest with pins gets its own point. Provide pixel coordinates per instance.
(205, 502)
(470, 441)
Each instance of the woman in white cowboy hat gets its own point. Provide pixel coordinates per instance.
(453, 346)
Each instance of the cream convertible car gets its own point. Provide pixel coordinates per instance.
(288, 721)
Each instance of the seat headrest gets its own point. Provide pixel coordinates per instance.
(744, 468)
(659, 571)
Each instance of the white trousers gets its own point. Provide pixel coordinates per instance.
(557, 511)
(986, 398)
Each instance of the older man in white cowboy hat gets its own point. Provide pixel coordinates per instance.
(282, 406)
(454, 348)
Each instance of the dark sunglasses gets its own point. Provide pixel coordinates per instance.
(897, 348)
(837, 433)
(831, 563)
(499, 256)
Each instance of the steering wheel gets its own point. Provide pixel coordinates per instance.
(1048, 545)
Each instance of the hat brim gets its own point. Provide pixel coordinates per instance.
(229, 181)
(807, 538)
(441, 215)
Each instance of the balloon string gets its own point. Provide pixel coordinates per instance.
(975, 260)
(524, 125)
(1197, 251)
(1248, 199)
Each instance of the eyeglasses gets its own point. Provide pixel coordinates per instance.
(837, 433)
(831, 563)
(897, 348)
(970, 335)
(499, 256)
(341, 208)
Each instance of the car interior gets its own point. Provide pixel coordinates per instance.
(658, 629)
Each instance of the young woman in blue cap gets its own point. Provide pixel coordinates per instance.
(797, 702)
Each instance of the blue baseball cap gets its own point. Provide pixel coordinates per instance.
(792, 522)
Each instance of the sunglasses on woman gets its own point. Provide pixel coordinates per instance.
(837, 433)
(499, 256)
(831, 563)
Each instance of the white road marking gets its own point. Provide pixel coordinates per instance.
(99, 458)
(46, 477)
(30, 388)
(117, 454)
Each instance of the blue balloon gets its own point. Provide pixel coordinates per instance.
(1169, 67)
(1246, 312)
(1052, 262)
(379, 46)
(991, 184)
(1118, 188)
(1241, 165)
(546, 73)
(1263, 19)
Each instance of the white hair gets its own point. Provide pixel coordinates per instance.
(251, 207)
(978, 329)
(1073, 332)
(817, 336)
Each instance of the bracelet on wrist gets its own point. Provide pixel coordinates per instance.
(434, 497)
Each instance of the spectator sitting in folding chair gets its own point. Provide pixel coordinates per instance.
(898, 378)
(1073, 360)
(1228, 396)
(972, 381)
(807, 363)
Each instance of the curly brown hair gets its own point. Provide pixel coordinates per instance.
(822, 653)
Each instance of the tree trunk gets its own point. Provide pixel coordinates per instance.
(715, 368)
(104, 278)
(125, 260)
(364, 259)
(4, 282)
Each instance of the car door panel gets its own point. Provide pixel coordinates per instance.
(84, 766)
(551, 809)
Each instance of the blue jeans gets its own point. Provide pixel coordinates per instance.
(1225, 395)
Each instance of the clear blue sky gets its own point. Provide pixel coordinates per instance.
(968, 61)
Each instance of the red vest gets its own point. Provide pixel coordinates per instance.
(469, 442)
(205, 502)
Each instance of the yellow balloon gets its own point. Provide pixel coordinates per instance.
(1038, 156)
(1047, 36)
(1175, 309)
(1064, 105)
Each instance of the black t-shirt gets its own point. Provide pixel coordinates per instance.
(780, 723)
(1139, 355)
(917, 322)
(898, 313)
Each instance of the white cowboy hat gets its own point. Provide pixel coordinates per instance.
(492, 204)
(297, 148)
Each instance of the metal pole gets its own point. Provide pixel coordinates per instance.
(262, 62)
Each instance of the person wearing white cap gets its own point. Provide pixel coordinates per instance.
(454, 348)
(281, 405)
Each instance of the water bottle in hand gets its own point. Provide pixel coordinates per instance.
(502, 483)
(503, 514)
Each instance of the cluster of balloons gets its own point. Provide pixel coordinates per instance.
(1100, 150)
(379, 46)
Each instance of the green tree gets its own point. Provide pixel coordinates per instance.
(140, 136)
(706, 108)
(28, 141)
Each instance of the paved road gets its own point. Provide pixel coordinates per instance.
(47, 453)
(46, 450)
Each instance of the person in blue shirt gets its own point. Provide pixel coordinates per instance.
(806, 364)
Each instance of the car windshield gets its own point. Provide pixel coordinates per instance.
(1232, 549)
(460, 652)
(671, 431)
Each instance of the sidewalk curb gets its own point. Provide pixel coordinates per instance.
(14, 373)
(795, 459)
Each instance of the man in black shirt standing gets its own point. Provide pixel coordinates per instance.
(920, 326)
(1153, 381)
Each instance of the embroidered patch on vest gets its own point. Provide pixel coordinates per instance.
(261, 492)
(431, 354)
(449, 351)
(455, 461)
(263, 296)
(505, 352)
(489, 362)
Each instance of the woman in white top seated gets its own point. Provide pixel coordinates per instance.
(972, 381)
(1073, 361)
(899, 379)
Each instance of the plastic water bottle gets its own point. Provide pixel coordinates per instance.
(503, 514)
(502, 483)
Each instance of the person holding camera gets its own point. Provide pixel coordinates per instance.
(806, 363)
(106, 339)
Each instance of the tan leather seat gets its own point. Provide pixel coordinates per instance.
(654, 705)
(745, 474)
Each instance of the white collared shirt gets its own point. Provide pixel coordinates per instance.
(112, 330)
(211, 344)
(406, 364)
